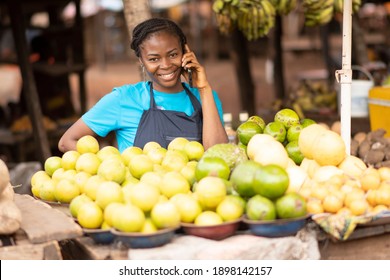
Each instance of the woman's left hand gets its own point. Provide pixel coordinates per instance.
(189, 62)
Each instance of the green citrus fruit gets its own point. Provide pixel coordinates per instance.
(230, 209)
(287, 116)
(68, 160)
(112, 169)
(208, 218)
(212, 166)
(242, 177)
(128, 218)
(210, 191)
(246, 130)
(260, 208)
(87, 144)
(271, 181)
(260, 121)
(277, 130)
(108, 192)
(77, 202)
(306, 122)
(90, 215)
(290, 205)
(294, 152)
(165, 215)
(293, 132)
(107, 151)
(52, 164)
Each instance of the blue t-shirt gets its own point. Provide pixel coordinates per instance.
(121, 110)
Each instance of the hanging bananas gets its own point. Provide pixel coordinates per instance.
(339, 5)
(254, 18)
(284, 7)
(320, 12)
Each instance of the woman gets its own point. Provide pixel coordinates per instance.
(160, 109)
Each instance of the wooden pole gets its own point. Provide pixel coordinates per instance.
(29, 87)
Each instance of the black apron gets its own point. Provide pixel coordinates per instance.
(162, 126)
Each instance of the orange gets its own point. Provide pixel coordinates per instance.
(90, 215)
(174, 160)
(242, 177)
(210, 191)
(52, 164)
(139, 165)
(128, 218)
(129, 152)
(259, 120)
(165, 215)
(229, 209)
(76, 203)
(247, 130)
(294, 152)
(293, 132)
(91, 186)
(172, 183)
(109, 212)
(88, 162)
(112, 169)
(108, 192)
(332, 203)
(306, 122)
(87, 144)
(69, 159)
(107, 151)
(277, 130)
(144, 196)
(194, 150)
(260, 208)
(208, 218)
(65, 191)
(188, 207)
(157, 155)
(271, 181)
(291, 205)
(358, 207)
(287, 117)
(212, 166)
(178, 143)
(314, 206)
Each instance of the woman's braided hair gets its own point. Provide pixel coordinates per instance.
(143, 30)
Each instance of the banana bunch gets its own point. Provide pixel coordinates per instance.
(226, 14)
(339, 4)
(318, 12)
(254, 18)
(284, 7)
(314, 95)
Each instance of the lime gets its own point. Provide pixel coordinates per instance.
(287, 116)
(291, 205)
(246, 130)
(293, 132)
(294, 152)
(306, 122)
(242, 177)
(231, 153)
(52, 164)
(260, 208)
(277, 130)
(87, 144)
(212, 166)
(271, 181)
(257, 120)
(229, 209)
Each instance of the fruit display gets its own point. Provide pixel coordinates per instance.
(279, 171)
(10, 214)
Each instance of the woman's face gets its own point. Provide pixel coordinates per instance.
(161, 54)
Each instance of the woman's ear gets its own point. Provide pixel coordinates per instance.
(140, 62)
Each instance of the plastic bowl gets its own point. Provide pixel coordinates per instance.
(144, 240)
(100, 236)
(276, 228)
(215, 232)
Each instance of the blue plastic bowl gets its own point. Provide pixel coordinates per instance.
(100, 236)
(276, 228)
(144, 240)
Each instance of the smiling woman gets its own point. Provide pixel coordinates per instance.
(162, 109)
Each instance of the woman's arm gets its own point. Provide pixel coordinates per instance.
(69, 140)
(213, 130)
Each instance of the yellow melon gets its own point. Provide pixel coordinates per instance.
(329, 148)
(307, 137)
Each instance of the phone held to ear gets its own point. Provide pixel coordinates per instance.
(189, 77)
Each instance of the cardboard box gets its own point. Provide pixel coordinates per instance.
(379, 108)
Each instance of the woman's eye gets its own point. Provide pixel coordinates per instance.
(173, 54)
(153, 59)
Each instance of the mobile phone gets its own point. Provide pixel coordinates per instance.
(189, 77)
